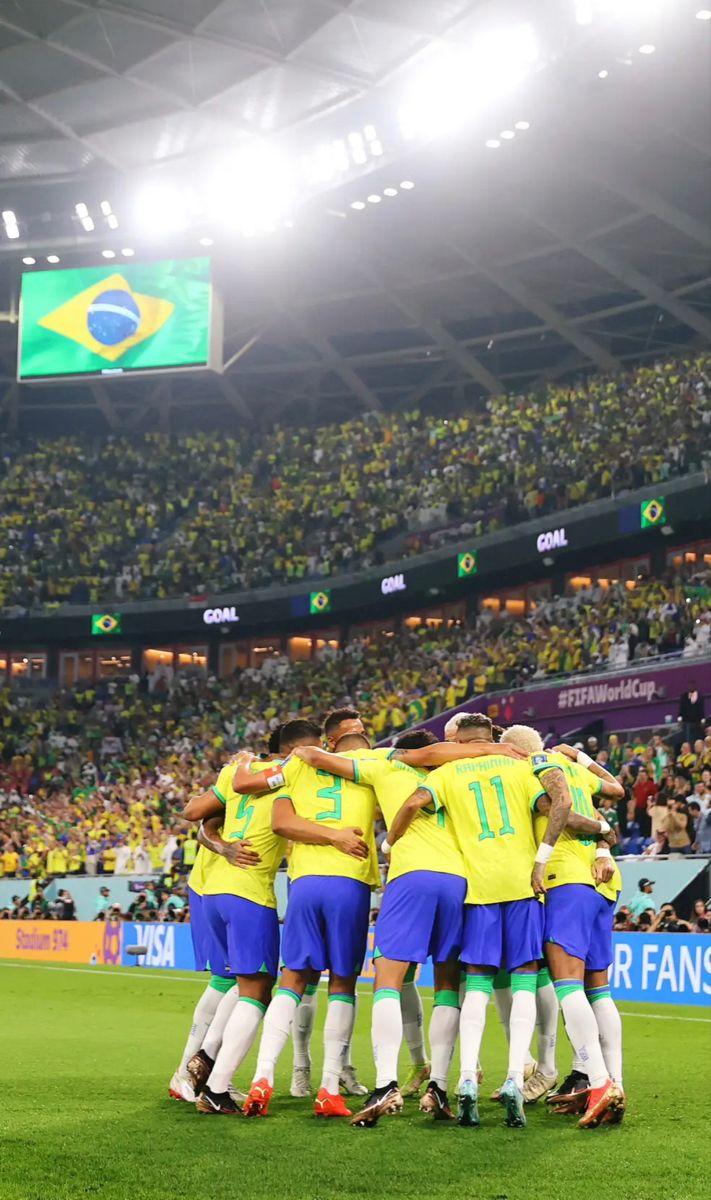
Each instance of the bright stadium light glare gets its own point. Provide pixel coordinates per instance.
(29, 261)
(105, 208)
(492, 144)
(112, 221)
(376, 148)
(81, 210)
(647, 48)
(128, 252)
(507, 134)
(357, 204)
(603, 74)
(374, 198)
(52, 258)
(253, 190)
(108, 254)
(87, 224)
(522, 125)
(207, 241)
(407, 185)
(390, 191)
(704, 14)
(584, 12)
(160, 210)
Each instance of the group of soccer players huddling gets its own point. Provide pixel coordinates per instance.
(499, 870)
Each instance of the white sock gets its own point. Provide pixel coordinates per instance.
(337, 1033)
(444, 1027)
(471, 1024)
(386, 1033)
(547, 1026)
(205, 1010)
(348, 1056)
(609, 1025)
(237, 1041)
(581, 1027)
(303, 1027)
(522, 1023)
(413, 1023)
(213, 1038)
(275, 1033)
(503, 1000)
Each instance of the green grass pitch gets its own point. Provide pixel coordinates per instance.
(88, 1054)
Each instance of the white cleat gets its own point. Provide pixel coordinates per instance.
(236, 1095)
(538, 1086)
(181, 1089)
(301, 1083)
(350, 1085)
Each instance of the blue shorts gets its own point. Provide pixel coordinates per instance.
(422, 914)
(326, 925)
(579, 920)
(241, 934)
(198, 932)
(503, 935)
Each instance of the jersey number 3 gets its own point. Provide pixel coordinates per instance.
(333, 794)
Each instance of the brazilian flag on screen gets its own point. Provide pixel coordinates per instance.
(105, 623)
(129, 317)
(319, 602)
(467, 564)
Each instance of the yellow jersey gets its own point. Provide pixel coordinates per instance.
(246, 817)
(488, 802)
(573, 856)
(612, 889)
(338, 804)
(429, 843)
(204, 861)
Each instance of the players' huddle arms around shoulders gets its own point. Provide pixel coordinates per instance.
(499, 871)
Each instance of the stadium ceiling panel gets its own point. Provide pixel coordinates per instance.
(563, 228)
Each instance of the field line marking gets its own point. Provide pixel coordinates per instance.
(147, 973)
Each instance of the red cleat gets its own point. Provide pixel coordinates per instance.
(257, 1102)
(604, 1103)
(326, 1105)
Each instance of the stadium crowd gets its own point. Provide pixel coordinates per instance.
(160, 517)
(91, 779)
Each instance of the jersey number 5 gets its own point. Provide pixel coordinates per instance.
(486, 830)
(332, 793)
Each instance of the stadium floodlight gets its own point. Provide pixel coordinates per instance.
(603, 74)
(390, 191)
(12, 230)
(584, 12)
(507, 134)
(647, 48)
(160, 210)
(112, 221)
(128, 252)
(29, 261)
(105, 208)
(52, 258)
(252, 190)
(358, 151)
(207, 241)
(374, 198)
(108, 254)
(370, 134)
(407, 185)
(522, 125)
(704, 14)
(492, 144)
(81, 210)
(376, 149)
(87, 224)
(357, 204)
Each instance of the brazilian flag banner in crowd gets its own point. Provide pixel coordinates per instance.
(319, 602)
(132, 317)
(466, 564)
(653, 512)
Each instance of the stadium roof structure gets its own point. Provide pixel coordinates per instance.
(461, 197)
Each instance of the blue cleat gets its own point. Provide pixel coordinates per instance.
(512, 1100)
(468, 1105)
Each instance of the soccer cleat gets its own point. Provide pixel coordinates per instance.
(604, 1100)
(326, 1105)
(300, 1083)
(537, 1086)
(199, 1068)
(496, 1094)
(419, 1074)
(216, 1104)
(181, 1089)
(468, 1104)
(436, 1102)
(238, 1096)
(257, 1102)
(530, 1069)
(615, 1116)
(382, 1101)
(350, 1084)
(512, 1099)
(571, 1097)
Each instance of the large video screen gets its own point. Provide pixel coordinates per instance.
(129, 317)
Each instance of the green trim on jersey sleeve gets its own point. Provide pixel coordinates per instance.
(428, 788)
(356, 771)
(536, 798)
(219, 795)
(598, 789)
